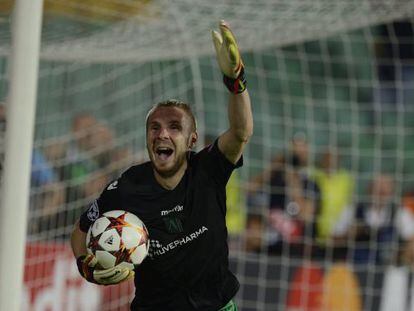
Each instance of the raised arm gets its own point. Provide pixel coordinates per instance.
(231, 143)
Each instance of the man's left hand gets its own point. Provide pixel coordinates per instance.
(228, 55)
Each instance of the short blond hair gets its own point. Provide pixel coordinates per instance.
(177, 104)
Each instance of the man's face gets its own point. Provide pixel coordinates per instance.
(301, 151)
(382, 188)
(169, 137)
(82, 129)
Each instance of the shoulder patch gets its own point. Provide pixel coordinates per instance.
(93, 211)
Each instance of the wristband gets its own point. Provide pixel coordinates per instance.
(79, 263)
(84, 269)
(236, 85)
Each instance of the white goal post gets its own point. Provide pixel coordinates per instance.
(15, 180)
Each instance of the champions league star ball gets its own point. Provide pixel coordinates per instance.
(118, 237)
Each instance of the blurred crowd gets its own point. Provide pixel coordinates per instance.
(314, 212)
(306, 204)
(69, 172)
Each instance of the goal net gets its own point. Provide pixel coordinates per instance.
(320, 215)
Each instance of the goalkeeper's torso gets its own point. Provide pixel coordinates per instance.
(187, 265)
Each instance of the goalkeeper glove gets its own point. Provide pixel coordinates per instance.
(228, 57)
(87, 268)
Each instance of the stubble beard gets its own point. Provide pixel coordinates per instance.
(168, 173)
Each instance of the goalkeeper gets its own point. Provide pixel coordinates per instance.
(180, 196)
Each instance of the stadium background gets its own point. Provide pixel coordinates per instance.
(312, 68)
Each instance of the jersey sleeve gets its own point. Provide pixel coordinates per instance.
(107, 201)
(217, 165)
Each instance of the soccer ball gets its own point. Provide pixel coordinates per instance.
(118, 237)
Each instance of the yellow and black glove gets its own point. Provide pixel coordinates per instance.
(228, 57)
(87, 268)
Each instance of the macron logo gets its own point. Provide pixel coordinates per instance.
(177, 208)
(113, 185)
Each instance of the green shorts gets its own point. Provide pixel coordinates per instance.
(231, 306)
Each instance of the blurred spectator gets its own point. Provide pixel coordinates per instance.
(47, 193)
(47, 197)
(373, 227)
(337, 186)
(76, 163)
(235, 201)
(254, 233)
(394, 48)
(294, 200)
(86, 160)
(89, 160)
(98, 151)
(407, 215)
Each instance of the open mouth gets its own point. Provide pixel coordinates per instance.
(164, 153)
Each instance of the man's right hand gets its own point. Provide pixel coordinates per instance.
(115, 275)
